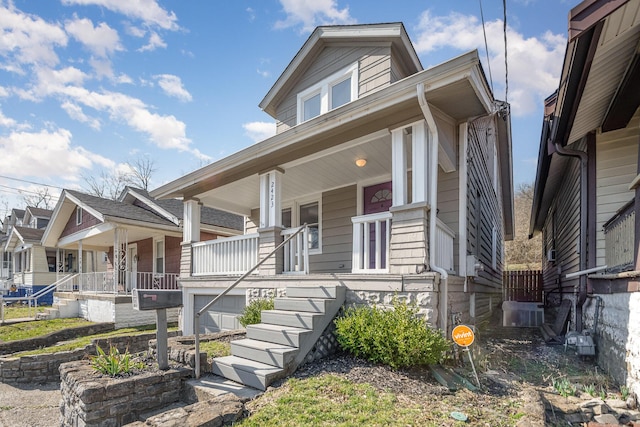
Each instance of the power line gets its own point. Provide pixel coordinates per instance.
(506, 67)
(31, 182)
(486, 46)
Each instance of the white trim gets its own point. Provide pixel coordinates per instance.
(164, 254)
(323, 88)
(463, 130)
(85, 234)
(79, 215)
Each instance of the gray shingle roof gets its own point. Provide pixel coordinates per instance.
(122, 210)
(39, 212)
(30, 234)
(210, 216)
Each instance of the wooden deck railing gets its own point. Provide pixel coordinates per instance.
(444, 245)
(371, 236)
(619, 237)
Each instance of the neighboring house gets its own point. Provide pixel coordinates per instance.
(6, 255)
(587, 198)
(120, 245)
(402, 175)
(31, 263)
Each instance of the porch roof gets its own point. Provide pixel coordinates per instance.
(319, 154)
(601, 67)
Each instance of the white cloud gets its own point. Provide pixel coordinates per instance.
(534, 63)
(259, 131)
(263, 73)
(75, 112)
(135, 31)
(27, 39)
(172, 86)
(3, 92)
(147, 11)
(311, 13)
(155, 41)
(101, 40)
(46, 154)
(9, 123)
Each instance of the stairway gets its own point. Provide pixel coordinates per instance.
(61, 308)
(274, 348)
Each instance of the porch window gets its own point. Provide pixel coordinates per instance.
(78, 215)
(332, 92)
(158, 257)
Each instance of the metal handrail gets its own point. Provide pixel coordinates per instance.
(196, 316)
(33, 299)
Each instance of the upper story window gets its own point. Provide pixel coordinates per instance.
(330, 93)
(78, 215)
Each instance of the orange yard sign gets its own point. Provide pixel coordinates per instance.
(462, 335)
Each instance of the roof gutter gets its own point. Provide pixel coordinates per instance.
(433, 203)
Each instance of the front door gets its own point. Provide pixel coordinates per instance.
(377, 198)
(132, 267)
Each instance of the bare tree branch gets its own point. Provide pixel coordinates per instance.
(523, 253)
(39, 198)
(109, 185)
(142, 169)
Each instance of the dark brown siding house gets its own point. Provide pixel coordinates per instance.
(586, 199)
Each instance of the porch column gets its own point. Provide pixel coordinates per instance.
(80, 256)
(58, 264)
(398, 167)
(119, 258)
(190, 234)
(270, 221)
(408, 249)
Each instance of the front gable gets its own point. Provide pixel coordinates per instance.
(380, 54)
(80, 219)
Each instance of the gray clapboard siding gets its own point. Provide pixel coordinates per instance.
(338, 206)
(616, 167)
(374, 73)
(448, 204)
(484, 213)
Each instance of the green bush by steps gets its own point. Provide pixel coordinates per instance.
(397, 336)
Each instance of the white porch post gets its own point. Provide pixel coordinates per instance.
(80, 260)
(270, 221)
(190, 234)
(58, 264)
(271, 199)
(409, 250)
(191, 221)
(420, 163)
(399, 168)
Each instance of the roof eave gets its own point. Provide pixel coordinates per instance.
(461, 67)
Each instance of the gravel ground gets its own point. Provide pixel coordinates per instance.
(30, 405)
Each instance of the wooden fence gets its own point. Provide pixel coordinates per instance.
(522, 286)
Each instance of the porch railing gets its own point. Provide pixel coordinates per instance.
(103, 282)
(231, 255)
(444, 245)
(296, 251)
(371, 236)
(619, 237)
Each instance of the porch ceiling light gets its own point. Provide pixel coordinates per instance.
(361, 162)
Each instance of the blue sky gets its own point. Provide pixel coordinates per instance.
(87, 85)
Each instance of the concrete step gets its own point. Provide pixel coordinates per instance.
(312, 291)
(211, 386)
(276, 334)
(291, 318)
(248, 372)
(312, 305)
(265, 352)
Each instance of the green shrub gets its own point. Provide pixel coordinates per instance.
(113, 363)
(252, 313)
(397, 337)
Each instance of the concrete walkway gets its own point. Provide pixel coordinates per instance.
(27, 405)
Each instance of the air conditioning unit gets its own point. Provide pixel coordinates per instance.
(551, 255)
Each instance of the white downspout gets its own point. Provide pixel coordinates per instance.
(433, 203)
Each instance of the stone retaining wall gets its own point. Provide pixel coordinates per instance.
(54, 337)
(43, 368)
(90, 400)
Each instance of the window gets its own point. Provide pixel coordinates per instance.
(309, 213)
(78, 215)
(158, 257)
(332, 92)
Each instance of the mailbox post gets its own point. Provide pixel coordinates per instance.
(158, 300)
